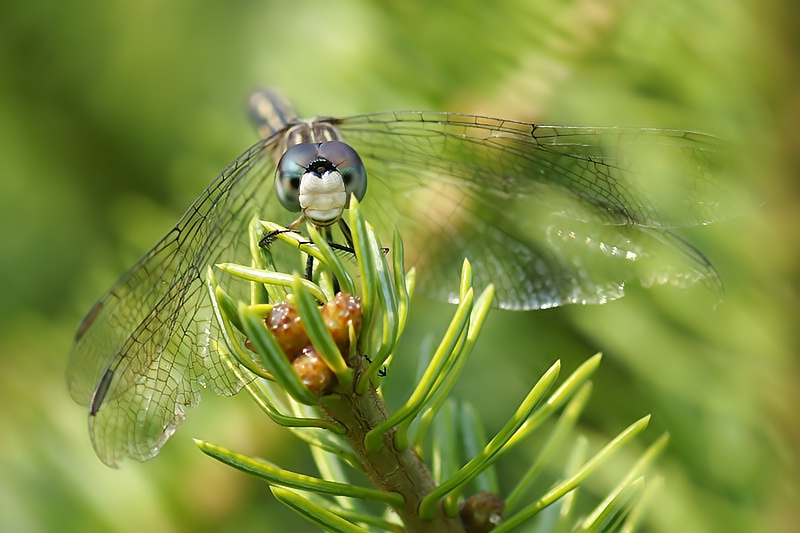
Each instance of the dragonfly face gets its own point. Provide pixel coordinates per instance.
(548, 214)
(318, 180)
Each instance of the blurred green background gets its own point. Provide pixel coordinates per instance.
(115, 115)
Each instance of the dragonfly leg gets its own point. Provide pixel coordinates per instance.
(267, 240)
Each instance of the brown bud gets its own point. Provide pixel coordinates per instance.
(284, 322)
(482, 512)
(313, 372)
(337, 314)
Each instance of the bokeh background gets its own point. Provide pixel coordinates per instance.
(115, 115)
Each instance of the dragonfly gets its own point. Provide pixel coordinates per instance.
(550, 215)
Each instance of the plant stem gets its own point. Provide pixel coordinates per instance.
(389, 469)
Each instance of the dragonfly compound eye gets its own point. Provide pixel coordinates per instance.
(291, 168)
(349, 165)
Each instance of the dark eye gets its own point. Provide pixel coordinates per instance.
(349, 165)
(291, 168)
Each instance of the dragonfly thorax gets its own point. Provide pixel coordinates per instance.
(313, 131)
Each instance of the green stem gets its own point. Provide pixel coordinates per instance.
(400, 472)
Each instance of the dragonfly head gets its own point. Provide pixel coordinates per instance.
(318, 179)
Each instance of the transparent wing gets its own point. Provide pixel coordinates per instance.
(549, 214)
(141, 355)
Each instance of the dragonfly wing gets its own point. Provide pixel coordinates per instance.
(505, 193)
(141, 355)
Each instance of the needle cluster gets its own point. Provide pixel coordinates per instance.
(313, 361)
